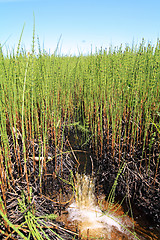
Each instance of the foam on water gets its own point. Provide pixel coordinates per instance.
(88, 214)
(93, 216)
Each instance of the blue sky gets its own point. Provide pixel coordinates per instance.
(82, 24)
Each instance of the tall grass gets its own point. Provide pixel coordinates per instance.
(113, 95)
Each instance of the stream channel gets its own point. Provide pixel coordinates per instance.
(93, 217)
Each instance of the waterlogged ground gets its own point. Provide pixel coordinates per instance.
(82, 210)
(95, 218)
(95, 224)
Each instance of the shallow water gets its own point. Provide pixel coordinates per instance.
(105, 221)
(98, 224)
(80, 217)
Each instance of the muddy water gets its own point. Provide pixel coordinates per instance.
(97, 220)
(91, 218)
(81, 222)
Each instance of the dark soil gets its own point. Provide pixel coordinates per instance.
(51, 195)
(137, 182)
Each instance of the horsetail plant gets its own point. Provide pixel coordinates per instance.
(111, 94)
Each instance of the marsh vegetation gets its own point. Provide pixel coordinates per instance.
(108, 100)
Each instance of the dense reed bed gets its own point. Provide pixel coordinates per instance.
(111, 96)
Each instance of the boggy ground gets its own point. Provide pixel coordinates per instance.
(137, 182)
(139, 179)
(52, 194)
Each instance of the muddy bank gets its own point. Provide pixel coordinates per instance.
(50, 193)
(138, 188)
(139, 181)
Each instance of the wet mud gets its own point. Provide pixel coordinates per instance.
(137, 181)
(49, 178)
(137, 185)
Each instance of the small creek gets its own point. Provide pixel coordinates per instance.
(94, 217)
